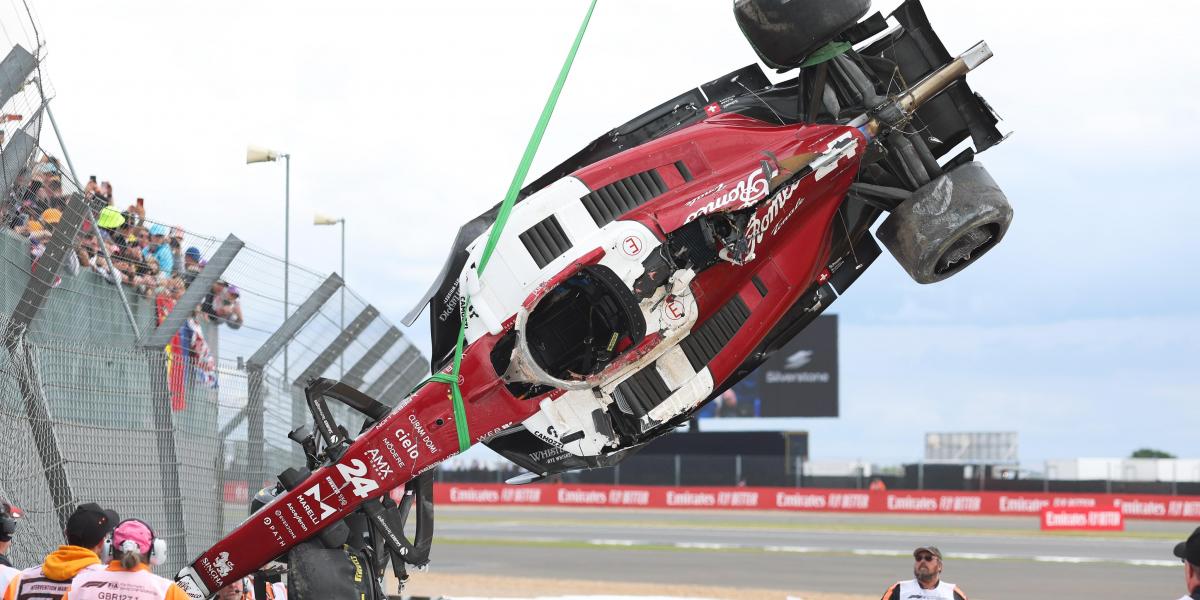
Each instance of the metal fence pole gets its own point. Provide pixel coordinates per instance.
(412, 375)
(16, 68)
(355, 376)
(256, 367)
(410, 356)
(678, 469)
(331, 354)
(921, 475)
(737, 470)
(160, 365)
(194, 294)
(16, 155)
(256, 394)
(168, 456)
(337, 347)
(92, 218)
(37, 406)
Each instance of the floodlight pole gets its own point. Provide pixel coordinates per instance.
(342, 321)
(287, 207)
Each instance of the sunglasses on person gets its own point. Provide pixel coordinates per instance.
(925, 558)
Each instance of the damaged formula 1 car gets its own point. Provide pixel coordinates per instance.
(664, 262)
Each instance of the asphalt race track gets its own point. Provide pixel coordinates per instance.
(989, 557)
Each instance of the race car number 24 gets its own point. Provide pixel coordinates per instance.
(363, 486)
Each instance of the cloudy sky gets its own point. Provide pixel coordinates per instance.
(407, 118)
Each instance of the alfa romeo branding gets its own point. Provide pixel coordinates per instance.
(747, 191)
(762, 219)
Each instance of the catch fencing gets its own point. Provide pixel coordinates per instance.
(136, 396)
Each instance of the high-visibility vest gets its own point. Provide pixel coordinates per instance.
(6, 575)
(34, 585)
(912, 590)
(140, 584)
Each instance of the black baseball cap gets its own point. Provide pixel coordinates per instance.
(90, 524)
(1189, 550)
(8, 521)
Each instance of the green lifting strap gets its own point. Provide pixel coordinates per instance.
(826, 53)
(510, 198)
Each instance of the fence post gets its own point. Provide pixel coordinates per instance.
(678, 469)
(194, 294)
(90, 216)
(921, 475)
(37, 405)
(160, 365)
(256, 376)
(337, 347)
(16, 68)
(15, 156)
(399, 389)
(393, 371)
(168, 455)
(354, 377)
(737, 469)
(330, 355)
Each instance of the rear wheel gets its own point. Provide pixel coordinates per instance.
(947, 224)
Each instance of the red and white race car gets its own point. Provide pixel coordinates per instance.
(649, 272)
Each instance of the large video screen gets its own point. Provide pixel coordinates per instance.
(799, 380)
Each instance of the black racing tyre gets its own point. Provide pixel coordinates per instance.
(947, 224)
(785, 32)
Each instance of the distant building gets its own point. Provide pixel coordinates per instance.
(972, 447)
(1124, 469)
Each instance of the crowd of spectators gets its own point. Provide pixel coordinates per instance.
(147, 258)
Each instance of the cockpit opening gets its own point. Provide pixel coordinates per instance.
(584, 324)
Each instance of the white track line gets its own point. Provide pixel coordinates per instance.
(709, 546)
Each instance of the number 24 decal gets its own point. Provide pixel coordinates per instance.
(363, 486)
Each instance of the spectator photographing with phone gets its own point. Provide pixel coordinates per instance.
(230, 311)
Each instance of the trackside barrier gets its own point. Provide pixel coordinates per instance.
(1082, 519)
(818, 500)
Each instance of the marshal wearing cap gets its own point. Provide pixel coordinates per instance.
(927, 582)
(1189, 551)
